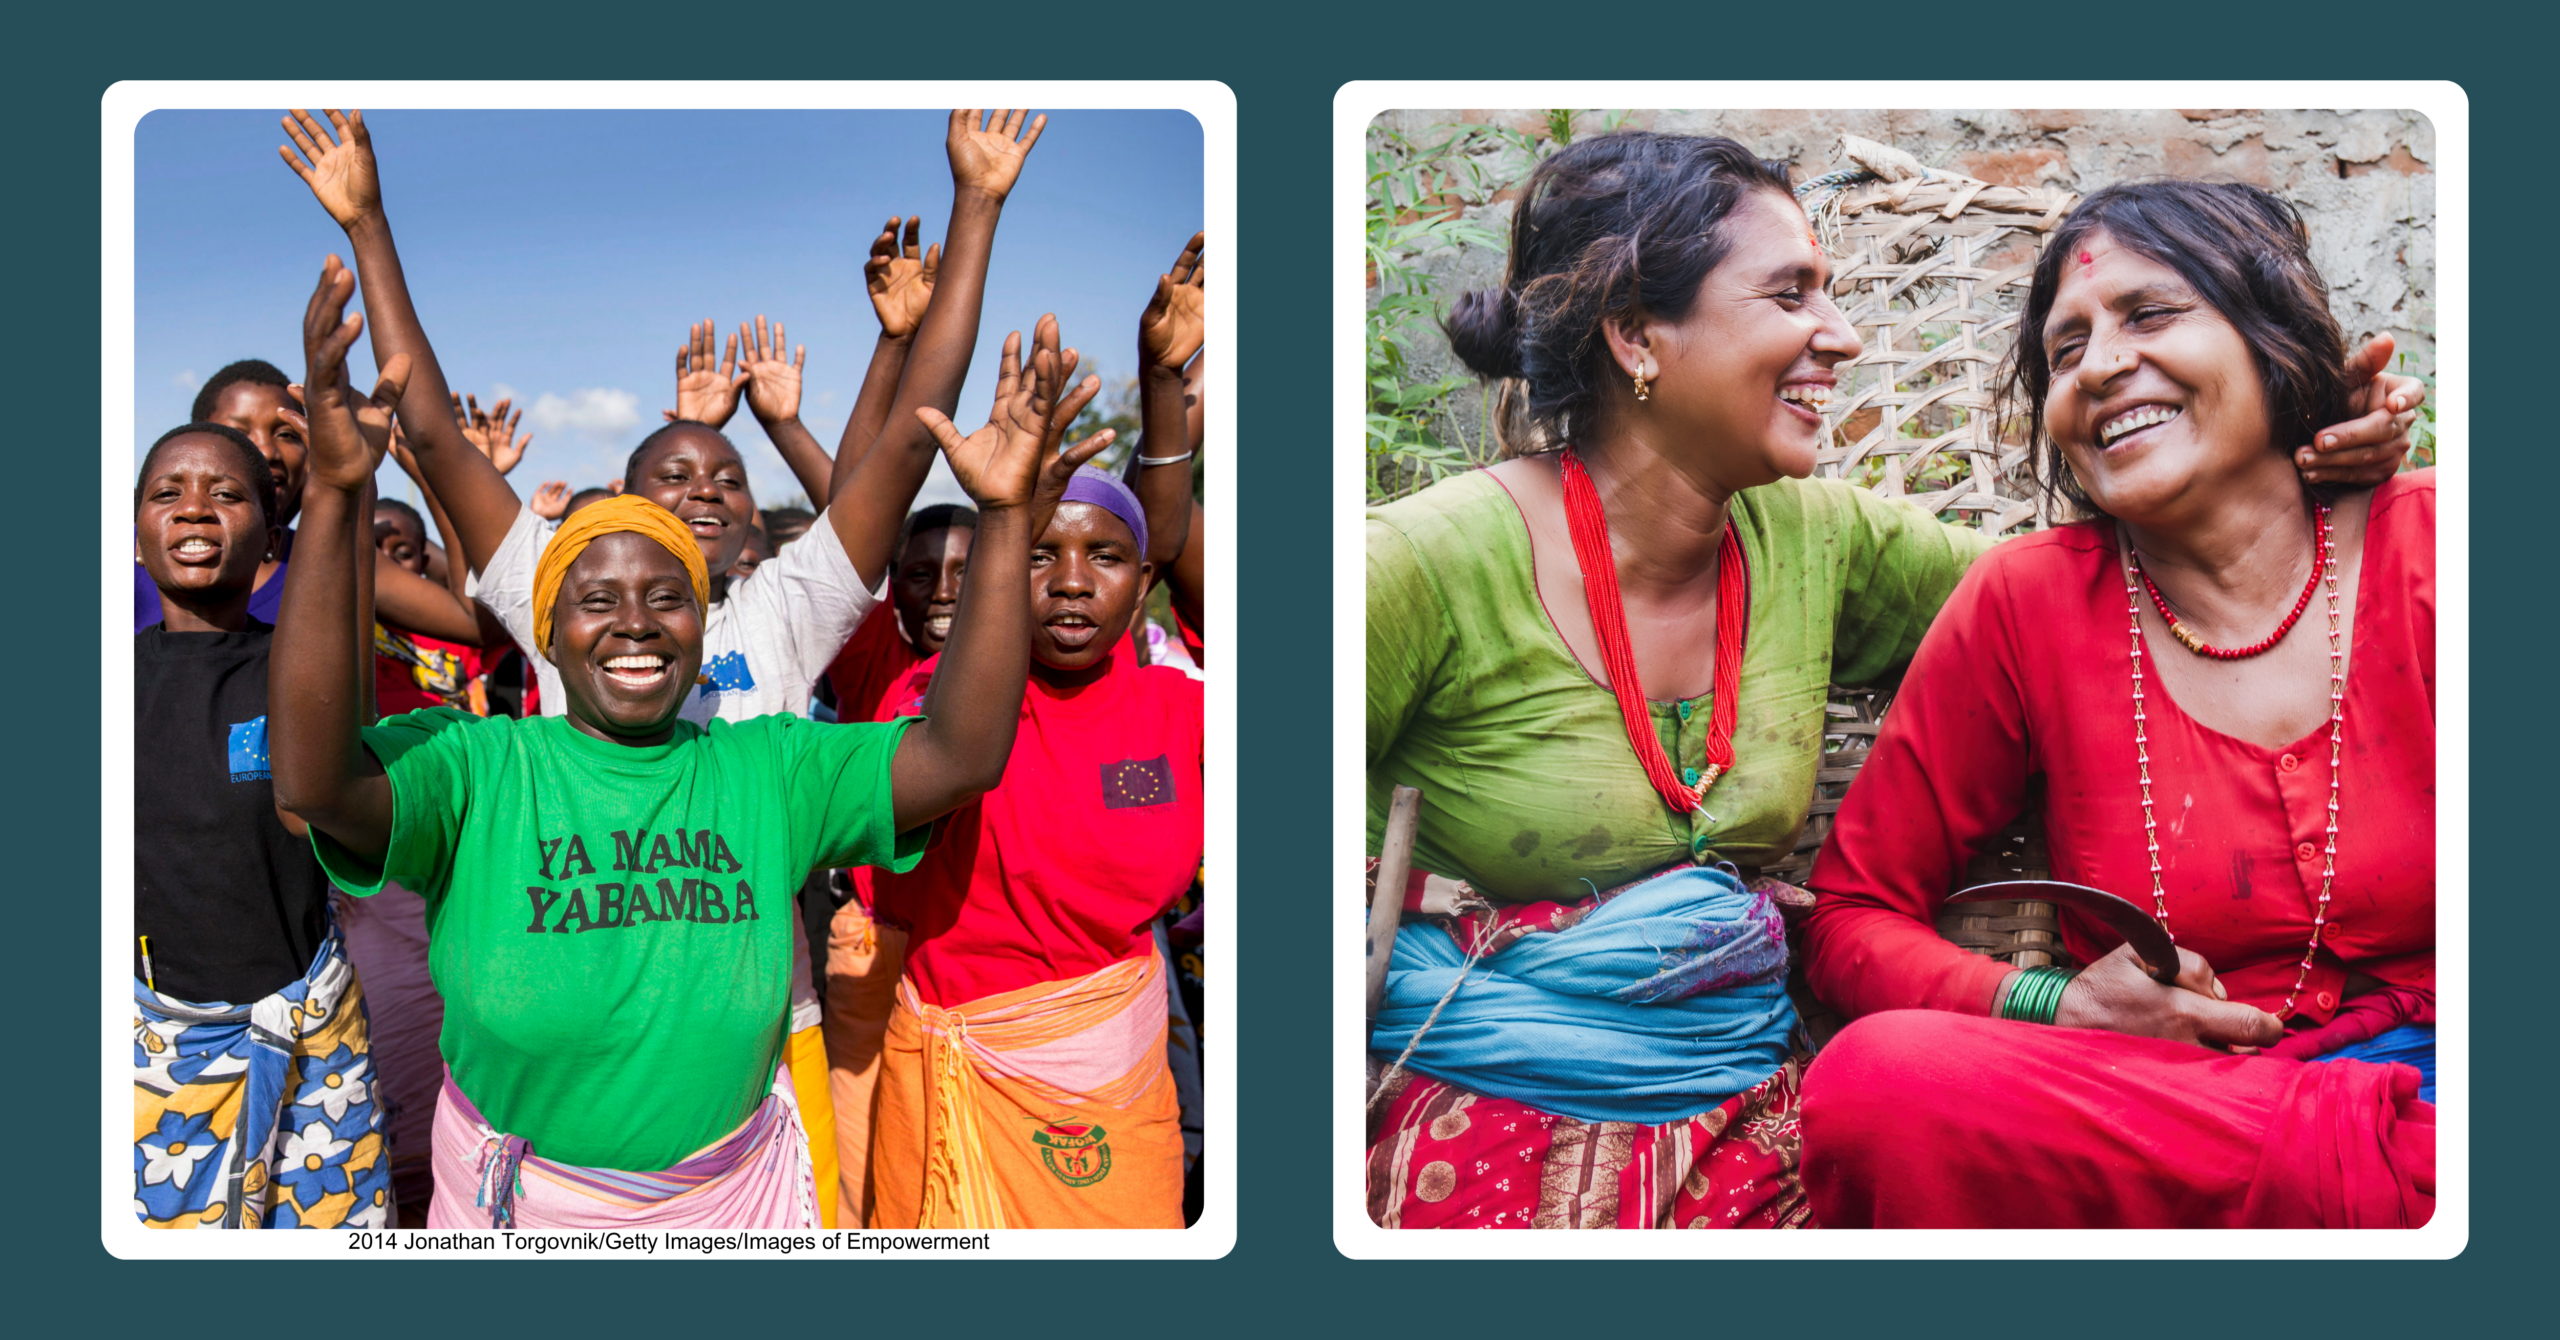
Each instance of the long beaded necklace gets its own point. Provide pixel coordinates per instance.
(2324, 570)
(1589, 524)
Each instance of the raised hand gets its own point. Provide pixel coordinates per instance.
(1172, 327)
(339, 168)
(493, 431)
(987, 158)
(2366, 450)
(551, 501)
(900, 281)
(705, 392)
(1014, 459)
(773, 381)
(349, 432)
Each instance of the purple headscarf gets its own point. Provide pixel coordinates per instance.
(1093, 486)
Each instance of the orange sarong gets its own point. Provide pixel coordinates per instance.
(864, 959)
(1046, 1107)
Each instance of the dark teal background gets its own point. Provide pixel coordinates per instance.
(1284, 63)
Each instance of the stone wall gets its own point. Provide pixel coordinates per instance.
(2364, 181)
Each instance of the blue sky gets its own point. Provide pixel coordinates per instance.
(562, 255)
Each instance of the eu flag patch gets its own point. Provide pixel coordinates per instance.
(1133, 783)
(249, 751)
(727, 673)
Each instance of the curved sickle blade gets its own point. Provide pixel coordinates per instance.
(2152, 944)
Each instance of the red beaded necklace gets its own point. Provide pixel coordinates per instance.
(1591, 553)
(2186, 636)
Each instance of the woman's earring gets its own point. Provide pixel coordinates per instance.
(1643, 392)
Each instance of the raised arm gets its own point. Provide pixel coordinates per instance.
(1159, 471)
(1188, 575)
(773, 392)
(1012, 469)
(901, 286)
(415, 603)
(321, 663)
(336, 161)
(869, 504)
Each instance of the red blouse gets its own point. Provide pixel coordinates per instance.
(1058, 871)
(2024, 676)
(874, 659)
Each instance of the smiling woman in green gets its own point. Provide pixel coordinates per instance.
(609, 892)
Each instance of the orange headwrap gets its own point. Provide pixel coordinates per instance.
(621, 512)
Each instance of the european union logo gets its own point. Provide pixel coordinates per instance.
(249, 751)
(727, 673)
(1134, 783)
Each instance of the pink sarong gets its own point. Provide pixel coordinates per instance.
(1931, 1119)
(757, 1176)
(386, 937)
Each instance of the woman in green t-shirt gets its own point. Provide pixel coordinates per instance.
(609, 892)
(1605, 660)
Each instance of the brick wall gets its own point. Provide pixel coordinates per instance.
(2364, 180)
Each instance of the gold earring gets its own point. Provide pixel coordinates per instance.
(1643, 392)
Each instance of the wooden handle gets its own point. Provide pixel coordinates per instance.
(1386, 901)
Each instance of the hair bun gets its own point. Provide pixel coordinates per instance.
(1484, 331)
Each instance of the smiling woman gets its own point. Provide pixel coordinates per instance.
(609, 891)
(1017, 942)
(2223, 687)
(247, 1014)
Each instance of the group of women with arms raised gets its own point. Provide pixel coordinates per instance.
(608, 891)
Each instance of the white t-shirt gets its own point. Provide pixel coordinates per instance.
(762, 649)
(764, 646)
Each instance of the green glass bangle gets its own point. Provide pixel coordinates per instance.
(2035, 994)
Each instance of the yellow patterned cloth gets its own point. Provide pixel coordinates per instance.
(263, 1115)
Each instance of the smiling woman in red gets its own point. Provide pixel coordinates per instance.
(1023, 1081)
(2223, 687)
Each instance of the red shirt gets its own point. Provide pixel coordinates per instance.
(1058, 871)
(874, 659)
(2025, 675)
(412, 671)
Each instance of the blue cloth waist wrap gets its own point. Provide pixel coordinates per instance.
(1662, 1003)
(2409, 1044)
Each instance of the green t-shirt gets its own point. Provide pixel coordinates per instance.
(1529, 788)
(611, 927)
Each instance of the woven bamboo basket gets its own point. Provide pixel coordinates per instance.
(1932, 269)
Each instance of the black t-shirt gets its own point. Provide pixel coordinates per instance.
(234, 906)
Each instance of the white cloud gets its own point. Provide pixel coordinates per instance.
(185, 380)
(590, 412)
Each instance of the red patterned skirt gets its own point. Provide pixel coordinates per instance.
(1443, 1157)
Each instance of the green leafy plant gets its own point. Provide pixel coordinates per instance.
(1418, 193)
(2422, 434)
(1421, 191)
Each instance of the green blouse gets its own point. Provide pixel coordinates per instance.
(1529, 789)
